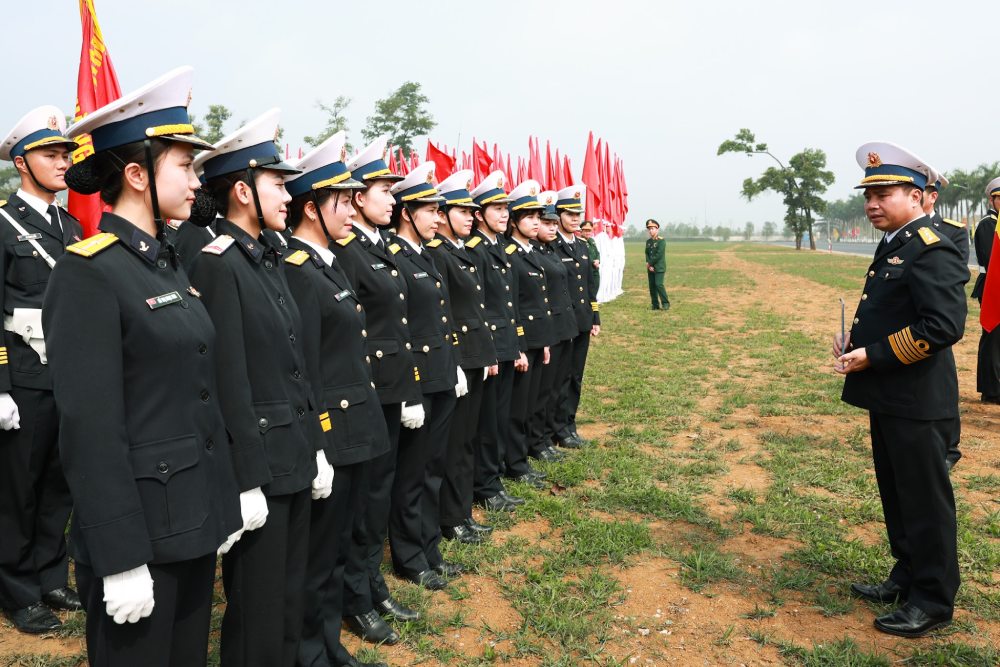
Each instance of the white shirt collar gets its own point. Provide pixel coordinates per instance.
(525, 246)
(372, 235)
(890, 236)
(567, 239)
(487, 236)
(417, 248)
(40, 206)
(325, 253)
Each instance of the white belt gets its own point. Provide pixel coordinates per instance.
(27, 323)
(982, 270)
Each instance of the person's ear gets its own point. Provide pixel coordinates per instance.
(135, 176)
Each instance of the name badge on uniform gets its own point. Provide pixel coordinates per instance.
(533, 274)
(422, 274)
(29, 237)
(340, 296)
(163, 300)
(567, 259)
(376, 267)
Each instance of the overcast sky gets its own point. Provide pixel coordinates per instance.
(663, 82)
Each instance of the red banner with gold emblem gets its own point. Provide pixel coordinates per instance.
(989, 313)
(97, 85)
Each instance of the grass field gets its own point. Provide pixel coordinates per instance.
(724, 507)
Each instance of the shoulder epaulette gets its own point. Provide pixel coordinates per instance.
(394, 248)
(93, 245)
(928, 236)
(511, 249)
(3, 202)
(433, 243)
(297, 258)
(344, 241)
(474, 241)
(953, 223)
(219, 244)
(174, 224)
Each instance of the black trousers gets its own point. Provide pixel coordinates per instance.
(264, 577)
(525, 396)
(363, 581)
(569, 401)
(555, 377)
(919, 507)
(460, 460)
(493, 432)
(34, 503)
(174, 635)
(331, 524)
(410, 510)
(988, 365)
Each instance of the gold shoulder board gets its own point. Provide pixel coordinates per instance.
(474, 241)
(928, 236)
(953, 223)
(298, 258)
(394, 248)
(219, 244)
(93, 245)
(433, 243)
(510, 249)
(3, 202)
(350, 237)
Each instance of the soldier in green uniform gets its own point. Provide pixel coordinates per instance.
(656, 265)
(587, 234)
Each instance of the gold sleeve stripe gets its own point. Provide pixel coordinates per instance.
(520, 331)
(416, 374)
(3, 356)
(595, 306)
(906, 349)
(324, 421)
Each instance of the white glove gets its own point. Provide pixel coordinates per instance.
(322, 485)
(10, 418)
(462, 388)
(413, 415)
(486, 372)
(129, 595)
(230, 541)
(253, 507)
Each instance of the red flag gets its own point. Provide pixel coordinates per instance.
(535, 163)
(96, 86)
(567, 173)
(444, 164)
(989, 313)
(481, 162)
(510, 175)
(300, 152)
(403, 167)
(592, 179)
(550, 171)
(392, 163)
(522, 170)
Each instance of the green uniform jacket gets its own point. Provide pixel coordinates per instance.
(595, 256)
(656, 254)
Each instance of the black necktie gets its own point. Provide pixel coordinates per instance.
(53, 215)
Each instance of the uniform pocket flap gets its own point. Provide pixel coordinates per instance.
(270, 415)
(162, 459)
(382, 346)
(341, 398)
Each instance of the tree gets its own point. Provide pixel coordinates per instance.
(335, 121)
(769, 230)
(10, 180)
(211, 128)
(402, 115)
(801, 183)
(748, 231)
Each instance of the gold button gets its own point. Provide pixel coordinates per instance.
(364, 334)
(478, 287)
(395, 273)
(404, 321)
(582, 301)
(543, 288)
(512, 321)
(507, 287)
(856, 320)
(546, 300)
(442, 302)
(372, 384)
(864, 297)
(368, 359)
(472, 269)
(578, 276)
(510, 305)
(503, 270)
(344, 404)
(408, 346)
(402, 297)
(427, 348)
(465, 329)
(871, 274)
(493, 327)
(437, 284)
(358, 307)
(548, 312)
(531, 317)
(378, 354)
(444, 319)
(482, 305)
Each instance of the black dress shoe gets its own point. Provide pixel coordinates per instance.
(64, 598)
(888, 591)
(36, 619)
(537, 474)
(389, 607)
(513, 500)
(477, 527)
(549, 455)
(449, 570)
(354, 662)
(497, 503)
(569, 442)
(429, 579)
(462, 534)
(577, 436)
(372, 627)
(910, 621)
(531, 481)
(986, 398)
